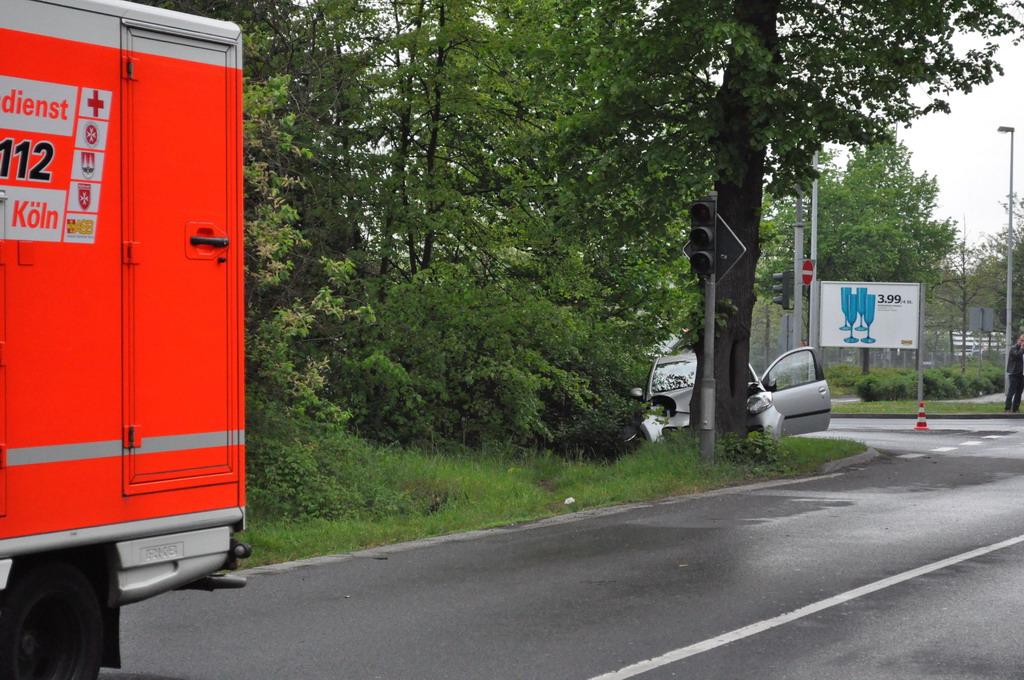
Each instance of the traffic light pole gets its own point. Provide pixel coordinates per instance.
(707, 389)
(814, 311)
(712, 250)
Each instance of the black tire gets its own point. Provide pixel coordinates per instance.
(51, 627)
(630, 433)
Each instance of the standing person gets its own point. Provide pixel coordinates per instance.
(1015, 376)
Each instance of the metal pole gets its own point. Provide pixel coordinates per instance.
(814, 330)
(920, 342)
(786, 333)
(798, 261)
(707, 389)
(1009, 259)
(1009, 229)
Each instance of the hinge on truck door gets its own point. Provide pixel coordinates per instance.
(129, 67)
(132, 437)
(130, 252)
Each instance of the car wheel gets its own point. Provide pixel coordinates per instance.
(50, 626)
(630, 433)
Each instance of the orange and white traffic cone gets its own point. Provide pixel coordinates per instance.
(922, 423)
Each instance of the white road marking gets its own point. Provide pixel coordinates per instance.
(993, 436)
(970, 443)
(912, 455)
(945, 448)
(767, 624)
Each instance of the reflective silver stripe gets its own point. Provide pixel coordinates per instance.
(184, 442)
(24, 545)
(62, 453)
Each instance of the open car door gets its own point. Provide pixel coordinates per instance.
(800, 392)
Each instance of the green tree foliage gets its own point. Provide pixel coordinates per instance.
(417, 266)
(960, 288)
(876, 220)
(278, 317)
(991, 274)
(739, 94)
(466, 216)
(875, 223)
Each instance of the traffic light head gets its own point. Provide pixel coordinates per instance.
(703, 211)
(783, 289)
(703, 227)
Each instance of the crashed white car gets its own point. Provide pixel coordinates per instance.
(792, 397)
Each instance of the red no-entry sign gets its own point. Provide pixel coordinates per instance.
(808, 272)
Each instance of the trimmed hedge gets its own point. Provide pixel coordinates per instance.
(939, 383)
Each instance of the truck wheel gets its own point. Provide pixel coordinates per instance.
(50, 626)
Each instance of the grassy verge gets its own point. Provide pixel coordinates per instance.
(910, 408)
(460, 494)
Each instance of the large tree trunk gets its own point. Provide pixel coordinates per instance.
(740, 196)
(740, 207)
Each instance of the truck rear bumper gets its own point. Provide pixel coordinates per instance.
(146, 557)
(149, 566)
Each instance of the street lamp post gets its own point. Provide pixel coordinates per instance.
(1009, 253)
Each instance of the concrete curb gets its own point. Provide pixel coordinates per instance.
(860, 458)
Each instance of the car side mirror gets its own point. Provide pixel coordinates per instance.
(636, 393)
(770, 385)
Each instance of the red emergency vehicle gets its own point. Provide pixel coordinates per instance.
(121, 359)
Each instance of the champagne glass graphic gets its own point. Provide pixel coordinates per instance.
(867, 313)
(861, 297)
(846, 291)
(850, 311)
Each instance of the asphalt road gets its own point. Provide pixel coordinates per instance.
(905, 567)
(944, 435)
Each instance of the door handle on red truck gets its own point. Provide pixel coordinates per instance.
(215, 241)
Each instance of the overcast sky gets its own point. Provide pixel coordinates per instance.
(966, 154)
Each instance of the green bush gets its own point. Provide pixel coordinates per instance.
(453, 360)
(302, 469)
(758, 449)
(939, 383)
(842, 379)
(887, 385)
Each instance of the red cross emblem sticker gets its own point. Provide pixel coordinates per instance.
(95, 104)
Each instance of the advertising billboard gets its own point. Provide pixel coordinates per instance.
(875, 315)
